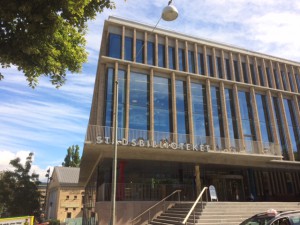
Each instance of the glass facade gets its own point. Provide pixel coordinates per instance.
(108, 121)
(293, 126)
(236, 70)
(181, 59)
(261, 75)
(253, 74)
(297, 76)
(268, 71)
(171, 57)
(210, 66)
(162, 108)
(191, 61)
(200, 114)
(291, 82)
(139, 104)
(245, 72)
(231, 117)
(114, 45)
(201, 63)
(284, 80)
(150, 53)
(276, 76)
(279, 127)
(139, 51)
(219, 67)
(264, 118)
(228, 71)
(247, 119)
(161, 55)
(217, 117)
(128, 48)
(182, 113)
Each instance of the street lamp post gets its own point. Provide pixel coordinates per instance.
(169, 13)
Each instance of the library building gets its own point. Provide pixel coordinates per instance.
(188, 113)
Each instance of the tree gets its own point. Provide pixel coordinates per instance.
(19, 189)
(72, 158)
(46, 37)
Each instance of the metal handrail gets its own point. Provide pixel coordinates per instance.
(194, 205)
(149, 209)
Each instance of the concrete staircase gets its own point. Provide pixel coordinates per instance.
(219, 213)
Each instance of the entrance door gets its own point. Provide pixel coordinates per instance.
(233, 188)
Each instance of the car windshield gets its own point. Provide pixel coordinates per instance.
(258, 220)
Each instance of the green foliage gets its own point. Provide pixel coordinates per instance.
(72, 158)
(46, 37)
(19, 190)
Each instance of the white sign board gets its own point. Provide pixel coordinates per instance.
(212, 193)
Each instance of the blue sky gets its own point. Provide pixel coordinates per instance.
(46, 120)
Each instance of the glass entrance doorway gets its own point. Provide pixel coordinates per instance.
(233, 188)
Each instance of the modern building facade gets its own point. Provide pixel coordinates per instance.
(191, 113)
(65, 195)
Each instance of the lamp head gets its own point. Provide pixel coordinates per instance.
(169, 13)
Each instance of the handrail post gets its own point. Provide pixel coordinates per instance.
(149, 218)
(206, 196)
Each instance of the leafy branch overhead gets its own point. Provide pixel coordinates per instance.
(46, 37)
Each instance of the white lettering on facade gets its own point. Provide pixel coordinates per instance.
(162, 144)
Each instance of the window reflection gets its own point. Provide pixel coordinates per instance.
(253, 74)
(191, 62)
(210, 67)
(284, 81)
(150, 53)
(181, 59)
(245, 72)
(268, 71)
(139, 105)
(201, 63)
(162, 108)
(161, 55)
(219, 67)
(293, 125)
(236, 71)
(128, 48)
(200, 115)
(182, 114)
(114, 45)
(261, 76)
(171, 57)
(217, 117)
(139, 51)
(228, 71)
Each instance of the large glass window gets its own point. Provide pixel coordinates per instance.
(264, 119)
(253, 74)
(210, 66)
(228, 71)
(162, 108)
(268, 71)
(231, 116)
(236, 70)
(114, 45)
(150, 53)
(245, 72)
(161, 55)
(182, 113)
(217, 117)
(139, 105)
(181, 59)
(201, 63)
(219, 67)
(297, 76)
(279, 127)
(284, 80)
(110, 100)
(171, 58)
(109, 97)
(247, 120)
(191, 62)
(294, 128)
(200, 115)
(276, 79)
(139, 51)
(128, 48)
(261, 76)
(291, 81)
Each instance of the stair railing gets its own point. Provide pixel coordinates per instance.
(158, 203)
(204, 190)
